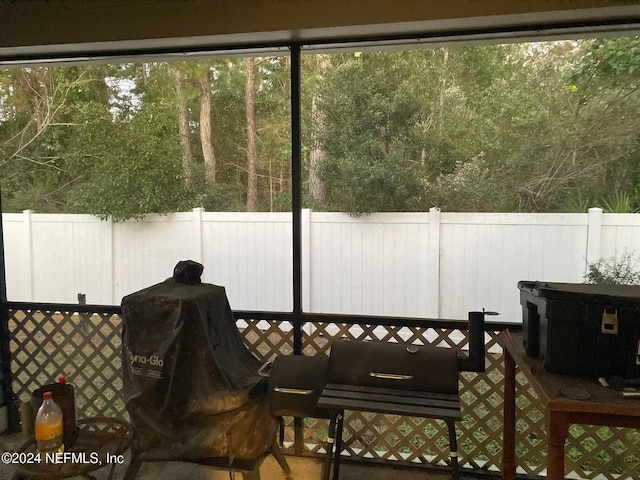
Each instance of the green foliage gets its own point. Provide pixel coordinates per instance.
(577, 204)
(488, 128)
(476, 186)
(39, 116)
(618, 202)
(372, 135)
(216, 197)
(546, 126)
(615, 202)
(610, 58)
(604, 83)
(142, 175)
(614, 270)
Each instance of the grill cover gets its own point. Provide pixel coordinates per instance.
(191, 387)
(424, 368)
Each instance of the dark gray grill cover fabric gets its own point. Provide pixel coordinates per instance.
(191, 386)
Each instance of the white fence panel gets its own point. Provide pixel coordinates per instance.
(145, 252)
(251, 255)
(70, 255)
(483, 256)
(620, 234)
(428, 264)
(374, 265)
(55, 257)
(17, 256)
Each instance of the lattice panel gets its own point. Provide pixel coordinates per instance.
(267, 339)
(45, 345)
(531, 439)
(318, 336)
(591, 452)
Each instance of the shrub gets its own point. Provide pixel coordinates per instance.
(614, 270)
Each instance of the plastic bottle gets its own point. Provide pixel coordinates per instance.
(49, 426)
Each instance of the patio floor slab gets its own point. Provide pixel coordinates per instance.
(303, 468)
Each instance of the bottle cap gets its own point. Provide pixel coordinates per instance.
(46, 395)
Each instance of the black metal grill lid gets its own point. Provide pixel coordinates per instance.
(425, 368)
(295, 384)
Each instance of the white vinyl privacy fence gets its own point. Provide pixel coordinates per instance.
(433, 264)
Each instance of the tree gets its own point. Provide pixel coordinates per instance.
(606, 83)
(493, 120)
(204, 82)
(252, 134)
(273, 103)
(183, 120)
(372, 138)
(519, 127)
(317, 154)
(143, 175)
(37, 116)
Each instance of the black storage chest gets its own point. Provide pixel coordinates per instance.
(582, 329)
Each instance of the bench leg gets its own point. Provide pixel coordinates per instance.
(326, 465)
(338, 447)
(453, 449)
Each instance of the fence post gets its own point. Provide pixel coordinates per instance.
(433, 264)
(112, 261)
(28, 241)
(594, 235)
(197, 233)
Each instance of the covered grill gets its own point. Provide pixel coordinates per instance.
(191, 387)
(403, 379)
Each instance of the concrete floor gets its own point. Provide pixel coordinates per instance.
(301, 469)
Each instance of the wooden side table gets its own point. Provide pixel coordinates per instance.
(560, 398)
(99, 442)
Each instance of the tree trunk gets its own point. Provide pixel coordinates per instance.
(317, 187)
(205, 127)
(443, 87)
(36, 81)
(183, 123)
(252, 135)
(316, 156)
(272, 193)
